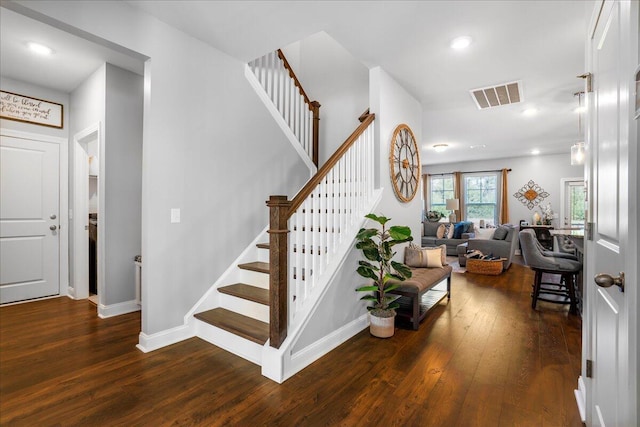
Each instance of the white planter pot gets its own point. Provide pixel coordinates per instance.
(382, 327)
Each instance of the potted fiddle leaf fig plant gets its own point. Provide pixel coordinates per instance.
(377, 245)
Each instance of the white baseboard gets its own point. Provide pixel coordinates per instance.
(105, 311)
(581, 399)
(315, 351)
(147, 343)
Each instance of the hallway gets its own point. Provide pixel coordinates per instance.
(483, 359)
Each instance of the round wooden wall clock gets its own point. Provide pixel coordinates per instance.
(404, 163)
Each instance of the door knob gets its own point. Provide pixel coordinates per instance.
(53, 216)
(606, 280)
(53, 228)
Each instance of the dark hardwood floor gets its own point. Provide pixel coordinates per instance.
(483, 359)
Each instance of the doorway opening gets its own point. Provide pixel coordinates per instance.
(573, 198)
(88, 258)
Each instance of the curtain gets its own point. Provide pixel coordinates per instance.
(457, 194)
(426, 188)
(503, 217)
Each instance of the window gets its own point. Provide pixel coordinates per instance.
(481, 197)
(573, 203)
(441, 189)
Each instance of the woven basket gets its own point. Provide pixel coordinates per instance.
(485, 266)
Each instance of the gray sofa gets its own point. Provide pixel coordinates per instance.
(498, 247)
(429, 237)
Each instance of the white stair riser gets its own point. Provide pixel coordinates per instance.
(245, 307)
(232, 343)
(262, 255)
(254, 278)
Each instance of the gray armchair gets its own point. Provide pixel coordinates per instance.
(503, 248)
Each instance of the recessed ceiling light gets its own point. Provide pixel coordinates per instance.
(461, 42)
(473, 147)
(530, 112)
(535, 151)
(439, 148)
(40, 49)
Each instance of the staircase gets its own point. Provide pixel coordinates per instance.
(261, 304)
(244, 326)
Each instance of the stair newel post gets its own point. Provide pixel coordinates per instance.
(278, 269)
(315, 109)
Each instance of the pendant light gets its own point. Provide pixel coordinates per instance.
(577, 149)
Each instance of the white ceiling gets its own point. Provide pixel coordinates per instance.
(74, 58)
(538, 42)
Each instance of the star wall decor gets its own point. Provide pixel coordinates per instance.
(531, 194)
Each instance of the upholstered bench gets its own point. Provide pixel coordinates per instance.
(417, 296)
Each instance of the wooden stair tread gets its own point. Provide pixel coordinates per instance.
(248, 292)
(243, 326)
(259, 266)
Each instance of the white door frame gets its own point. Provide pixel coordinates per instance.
(80, 249)
(563, 195)
(63, 268)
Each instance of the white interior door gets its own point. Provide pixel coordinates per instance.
(29, 219)
(608, 314)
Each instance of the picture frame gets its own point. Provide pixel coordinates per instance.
(26, 109)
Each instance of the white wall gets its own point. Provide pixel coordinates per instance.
(210, 148)
(333, 77)
(341, 304)
(546, 171)
(27, 89)
(393, 105)
(121, 180)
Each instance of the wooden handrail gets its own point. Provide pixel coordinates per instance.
(297, 201)
(295, 78)
(314, 107)
(280, 210)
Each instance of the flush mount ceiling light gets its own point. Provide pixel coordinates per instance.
(461, 42)
(535, 151)
(439, 148)
(40, 49)
(475, 147)
(530, 112)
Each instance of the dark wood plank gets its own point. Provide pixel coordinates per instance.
(484, 358)
(248, 292)
(260, 267)
(243, 326)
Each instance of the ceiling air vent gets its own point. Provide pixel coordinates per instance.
(495, 96)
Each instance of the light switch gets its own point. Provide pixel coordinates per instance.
(175, 215)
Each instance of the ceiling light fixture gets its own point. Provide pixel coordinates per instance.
(461, 42)
(439, 148)
(530, 112)
(474, 147)
(577, 149)
(535, 151)
(40, 49)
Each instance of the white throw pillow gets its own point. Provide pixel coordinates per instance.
(484, 233)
